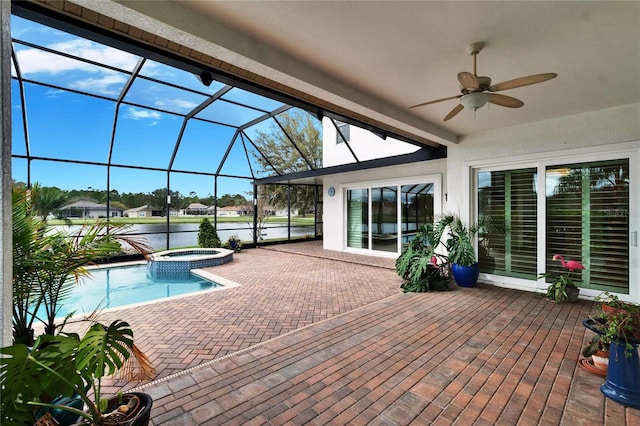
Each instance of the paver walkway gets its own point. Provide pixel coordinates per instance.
(319, 337)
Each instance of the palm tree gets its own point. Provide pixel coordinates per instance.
(46, 265)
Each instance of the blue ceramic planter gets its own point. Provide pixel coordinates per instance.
(465, 276)
(623, 375)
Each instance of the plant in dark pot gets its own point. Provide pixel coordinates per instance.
(461, 249)
(421, 268)
(561, 287)
(60, 374)
(234, 243)
(598, 350)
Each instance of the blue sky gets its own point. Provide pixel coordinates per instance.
(66, 125)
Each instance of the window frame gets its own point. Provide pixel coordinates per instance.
(435, 179)
(541, 161)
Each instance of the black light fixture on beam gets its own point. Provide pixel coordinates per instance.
(206, 78)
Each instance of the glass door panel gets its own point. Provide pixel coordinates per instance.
(384, 218)
(358, 218)
(417, 209)
(588, 221)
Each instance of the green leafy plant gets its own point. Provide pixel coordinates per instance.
(620, 320)
(208, 235)
(459, 243)
(419, 265)
(561, 284)
(66, 365)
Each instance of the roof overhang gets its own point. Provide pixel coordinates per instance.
(315, 177)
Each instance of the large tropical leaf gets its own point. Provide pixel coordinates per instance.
(103, 350)
(27, 375)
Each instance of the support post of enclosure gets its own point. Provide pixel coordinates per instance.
(255, 215)
(6, 240)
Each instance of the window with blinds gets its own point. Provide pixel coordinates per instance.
(507, 219)
(358, 218)
(588, 220)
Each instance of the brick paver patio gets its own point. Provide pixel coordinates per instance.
(320, 337)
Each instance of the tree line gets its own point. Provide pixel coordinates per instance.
(50, 199)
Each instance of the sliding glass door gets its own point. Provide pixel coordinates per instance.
(579, 210)
(383, 218)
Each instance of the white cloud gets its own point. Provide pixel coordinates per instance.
(36, 61)
(173, 104)
(143, 114)
(103, 85)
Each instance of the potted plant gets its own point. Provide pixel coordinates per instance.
(61, 373)
(419, 265)
(234, 243)
(619, 321)
(562, 288)
(462, 254)
(598, 350)
(621, 328)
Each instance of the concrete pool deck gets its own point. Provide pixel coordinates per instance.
(320, 337)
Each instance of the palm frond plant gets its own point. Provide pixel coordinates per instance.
(47, 265)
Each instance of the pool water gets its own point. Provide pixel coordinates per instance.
(126, 285)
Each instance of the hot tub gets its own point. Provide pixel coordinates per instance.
(179, 263)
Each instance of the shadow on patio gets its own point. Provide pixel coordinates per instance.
(320, 337)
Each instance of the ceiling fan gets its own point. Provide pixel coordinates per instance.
(477, 91)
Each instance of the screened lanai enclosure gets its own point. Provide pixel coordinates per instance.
(104, 128)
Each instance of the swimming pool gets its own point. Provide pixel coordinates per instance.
(126, 285)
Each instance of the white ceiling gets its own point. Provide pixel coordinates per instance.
(390, 55)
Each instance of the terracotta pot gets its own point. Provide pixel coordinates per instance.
(609, 310)
(601, 360)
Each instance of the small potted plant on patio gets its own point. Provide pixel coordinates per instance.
(234, 243)
(620, 320)
(562, 288)
(60, 374)
(462, 254)
(598, 350)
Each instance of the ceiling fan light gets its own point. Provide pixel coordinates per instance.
(474, 100)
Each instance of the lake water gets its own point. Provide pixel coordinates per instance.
(186, 234)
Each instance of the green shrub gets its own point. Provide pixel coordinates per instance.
(207, 235)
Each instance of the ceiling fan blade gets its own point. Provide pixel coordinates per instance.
(468, 80)
(433, 102)
(453, 112)
(505, 101)
(522, 81)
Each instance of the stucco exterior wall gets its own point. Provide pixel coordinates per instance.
(592, 134)
(363, 143)
(589, 132)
